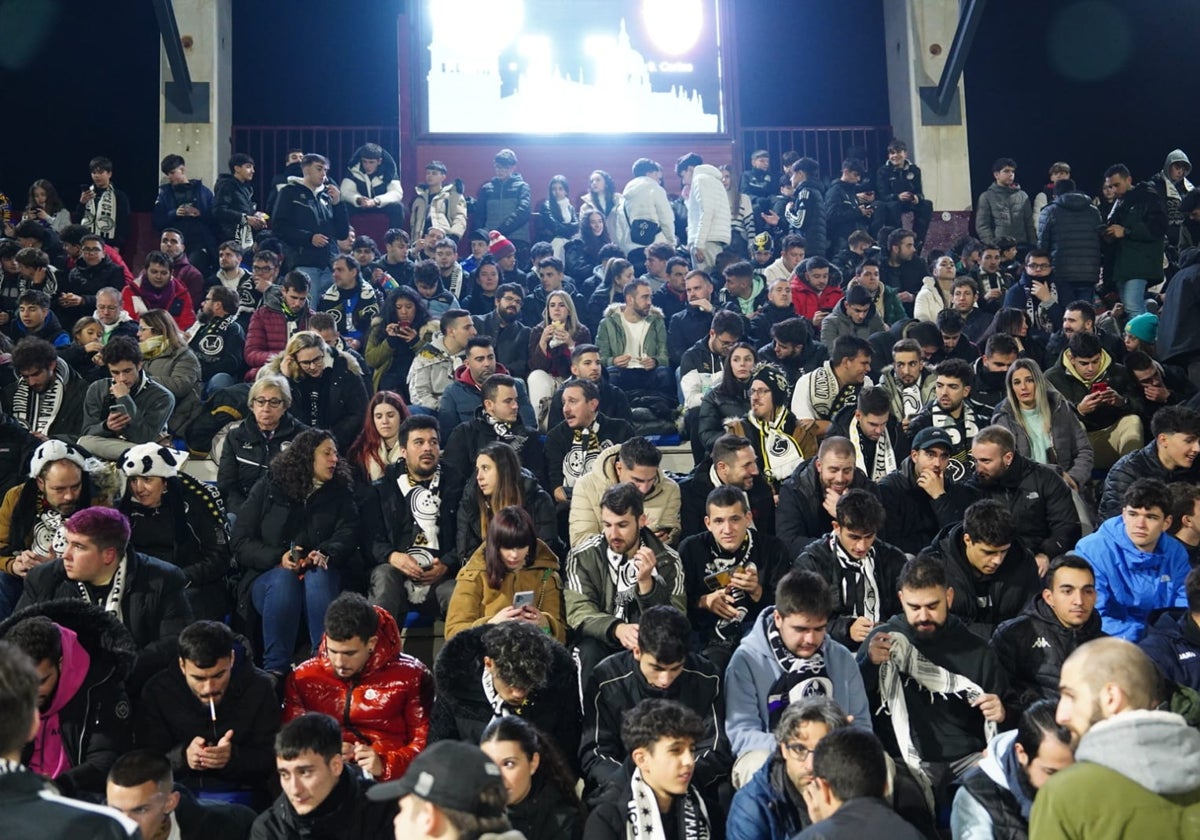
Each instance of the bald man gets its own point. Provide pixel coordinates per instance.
(1146, 763)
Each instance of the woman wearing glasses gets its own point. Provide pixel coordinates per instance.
(252, 443)
(327, 386)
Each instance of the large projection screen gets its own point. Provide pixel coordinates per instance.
(576, 67)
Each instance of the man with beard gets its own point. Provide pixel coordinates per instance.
(1170, 457)
(996, 797)
(731, 464)
(351, 301)
(573, 446)
(1145, 762)
(233, 277)
(672, 296)
(633, 341)
(83, 656)
(992, 282)
(214, 715)
(876, 435)
(463, 397)
(1033, 646)
(1044, 515)
(935, 685)
(660, 666)
(860, 570)
(824, 391)
(785, 657)
(778, 440)
(32, 515)
(47, 398)
(637, 461)
(585, 364)
(433, 368)
(503, 325)
(808, 499)
(901, 270)
(729, 569)
(1080, 317)
(415, 525)
(992, 574)
(907, 381)
(952, 412)
(920, 497)
(499, 418)
(182, 270)
(218, 341)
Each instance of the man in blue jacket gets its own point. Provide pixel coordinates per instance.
(1173, 642)
(1139, 566)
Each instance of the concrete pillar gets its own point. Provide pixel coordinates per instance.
(918, 35)
(206, 29)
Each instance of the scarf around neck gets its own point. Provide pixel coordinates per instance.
(100, 214)
(425, 505)
(781, 456)
(582, 454)
(646, 821)
(154, 297)
(112, 602)
(800, 678)
(826, 395)
(720, 561)
(884, 461)
(35, 411)
(961, 432)
(857, 574)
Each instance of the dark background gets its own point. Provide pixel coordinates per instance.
(1087, 81)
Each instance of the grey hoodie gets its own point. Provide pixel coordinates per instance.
(1157, 750)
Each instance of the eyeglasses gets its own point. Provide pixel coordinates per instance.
(316, 361)
(760, 392)
(798, 751)
(263, 402)
(1039, 266)
(262, 269)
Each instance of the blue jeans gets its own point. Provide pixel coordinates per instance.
(219, 381)
(280, 597)
(319, 280)
(1133, 295)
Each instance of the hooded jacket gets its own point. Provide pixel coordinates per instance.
(992, 801)
(385, 705)
(1070, 232)
(446, 210)
(753, 670)
(462, 398)
(1130, 583)
(1073, 454)
(611, 336)
(90, 704)
(346, 814)
(1067, 382)
(1040, 502)
(838, 323)
(300, 214)
(913, 518)
(461, 710)
(1147, 764)
(662, 503)
(1178, 340)
(270, 328)
(800, 515)
(1032, 649)
(474, 601)
(807, 301)
(431, 371)
(504, 205)
(180, 306)
(170, 716)
(1173, 191)
(233, 200)
(1173, 642)
(1142, 463)
(383, 186)
(645, 198)
(1139, 254)
(709, 216)
(247, 454)
(336, 400)
(1004, 211)
(819, 557)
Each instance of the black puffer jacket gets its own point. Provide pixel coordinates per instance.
(336, 400)
(505, 206)
(980, 602)
(248, 453)
(1178, 339)
(1144, 463)
(96, 724)
(85, 280)
(819, 557)
(800, 515)
(1032, 648)
(1070, 231)
(232, 199)
(537, 502)
(461, 710)
(717, 406)
(913, 518)
(1040, 502)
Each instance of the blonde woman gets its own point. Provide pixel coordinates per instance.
(171, 363)
(327, 386)
(551, 343)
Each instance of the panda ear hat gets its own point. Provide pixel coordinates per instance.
(152, 459)
(54, 450)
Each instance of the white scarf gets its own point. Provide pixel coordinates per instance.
(857, 570)
(622, 573)
(781, 456)
(36, 411)
(100, 214)
(645, 820)
(907, 661)
(885, 457)
(455, 284)
(585, 448)
(49, 539)
(826, 395)
(960, 459)
(425, 504)
(112, 603)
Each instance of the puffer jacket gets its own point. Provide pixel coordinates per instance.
(1040, 502)
(611, 336)
(386, 704)
(805, 215)
(662, 503)
(1073, 454)
(505, 206)
(445, 210)
(717, 406)
(1139, 254)
(768, 807)
(85, 280)
(1070, 232)
(1173, 191)
(1068, 383)
(1032, 649)
(807, 301)
(838, 323)
(178, 370)
(336, 400)
(547, 225)
(248, 453)
(95, 722)
(461, 399)
(232, 200)
(270, 328)
(1004, 211)
(383, 185)
(708, 212)
(645, 198)
(474, 601)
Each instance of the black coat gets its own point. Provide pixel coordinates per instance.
(247, 454)
(1178, 340)
(693, 500)
(819, 557)
(546, 814)
(863, 816)
(69, 421)
(16, 447)
(461, 711)
(512, 342)
(613, 404)
(232, 199)
(31, 812)
(85, 280)
(170, 717)
(538, 503)
(336, 400)
(1040, 502)
(391, 526)
(299, 214)
(558, 444)
(219, 347)
(801, 516)
(346, 814)
(209, 819)
(95, 724)
(1032, 648)
(913, 518)
(982, 603)
(684, 329)
(468, 438)
(768, 555)
(1144, 463)
(1070, 231)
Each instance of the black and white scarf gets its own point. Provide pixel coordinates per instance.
(425, 505)
(884, 461)
(504, 431)
(857, 574)
(622, 572)
(500, 707)
(454, 284)
(961, 432)
(781, 456)
(34, 411)
(645, 820)
(49, 539)
(826, 395)
(801, 677)
(585, 449)
(720, 561)
(100, 214)
(112, 602)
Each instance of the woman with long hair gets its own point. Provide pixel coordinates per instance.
(602, 196)
(171, 363)
(730, 394)
(327, 386)
(582, 252)
(501, 482)
(293, 538)
(1015, 322)
(378, 444)
(557, 219)
(46, 207)
(935, 295)
(395, 338)
(1044, 424)
(741, 213)
(511, 560)
(617, 273)
(83, 353)
(551, 343)
(542, 803)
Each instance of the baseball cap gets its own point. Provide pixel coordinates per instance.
(931, 437)
(450, 774)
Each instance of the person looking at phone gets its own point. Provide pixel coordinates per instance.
(360, 677)
(1105, 396)
(125, 409)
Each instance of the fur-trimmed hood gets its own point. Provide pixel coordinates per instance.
(106, 640)
(617, 309)
(459, 669)
(332, 357)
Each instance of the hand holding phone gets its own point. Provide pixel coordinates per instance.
(523, 599)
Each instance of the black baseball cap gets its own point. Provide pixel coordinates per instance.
(450, 774)
(931, 437)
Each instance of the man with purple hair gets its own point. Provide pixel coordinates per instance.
(146, 594)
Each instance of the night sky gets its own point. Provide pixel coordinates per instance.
(1089, 81)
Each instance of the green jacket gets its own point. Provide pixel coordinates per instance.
(611, 336)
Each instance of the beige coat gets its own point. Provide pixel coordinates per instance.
(662, 505)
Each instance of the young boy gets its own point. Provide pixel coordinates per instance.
(479, 249)
(657, 798)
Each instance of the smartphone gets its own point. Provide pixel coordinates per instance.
(719, 580)
(118, 409)
(523, 599)
(1099, 387)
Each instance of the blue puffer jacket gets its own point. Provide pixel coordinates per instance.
(762, 809)
(1130, 584)
(1173, 642)
(1070, 232)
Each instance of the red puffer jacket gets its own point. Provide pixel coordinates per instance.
(387, 704)
(807, 301)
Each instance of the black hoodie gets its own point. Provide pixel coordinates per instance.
(1040, 502)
